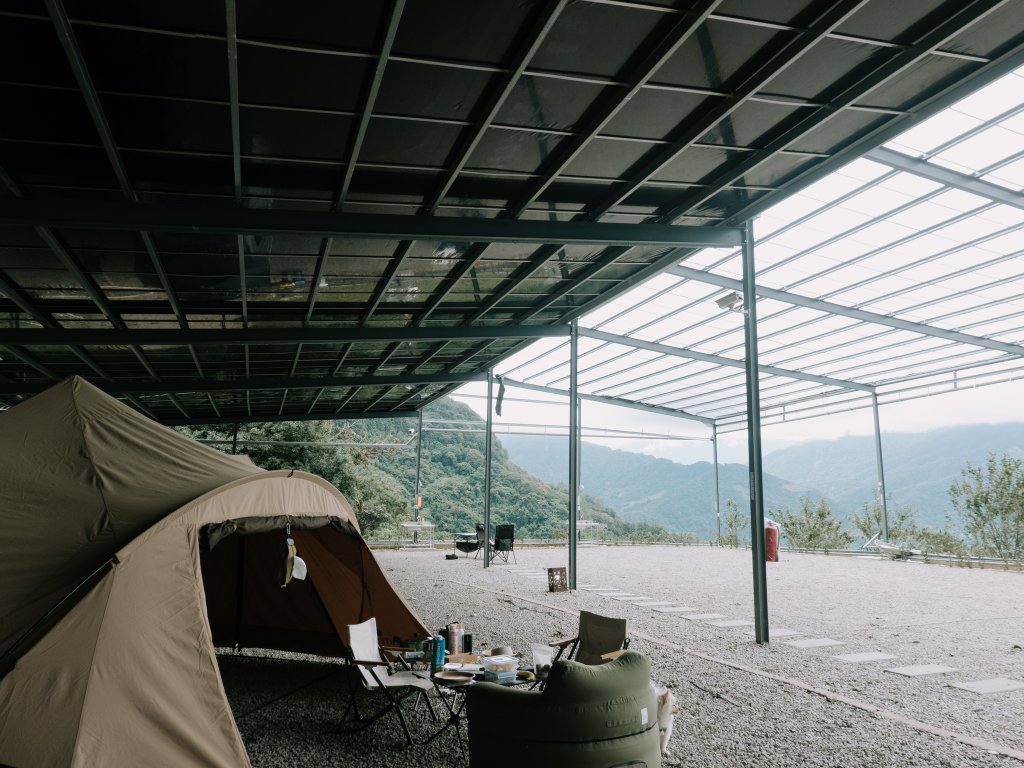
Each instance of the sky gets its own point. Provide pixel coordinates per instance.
(994, 404)
(894, 243)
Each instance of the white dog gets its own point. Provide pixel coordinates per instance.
(667, 709)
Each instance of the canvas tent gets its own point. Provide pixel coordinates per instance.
(127, 552)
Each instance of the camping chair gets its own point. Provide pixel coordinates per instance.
(475, 545)
(377, 674)
(504, 542)
(599, 640)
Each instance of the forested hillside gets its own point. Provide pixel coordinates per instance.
(379, 481)
(452, 478)
(919, 467)
(680, 497)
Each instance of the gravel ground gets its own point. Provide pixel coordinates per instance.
(740, 703)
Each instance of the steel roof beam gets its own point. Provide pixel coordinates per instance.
(831, 308)
(658, 410)
(836, 15)
(963, 87)
(88, 91)
(294, 416)
(874, 77)
(394, 18)
(666, 349)
(609, 108)
(100, 214)
(653, 61)
(946, 176)
(231, 23)
(254, 383)
(500, 93)
(297, 335)
(788, 55)
(475, 252)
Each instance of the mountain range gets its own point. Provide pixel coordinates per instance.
(641, 488)
(919, 469)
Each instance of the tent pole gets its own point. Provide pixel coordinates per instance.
(239, 593)
(9, 657)
(757, 547)
(487, 468)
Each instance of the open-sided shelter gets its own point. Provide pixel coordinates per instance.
(128, 553)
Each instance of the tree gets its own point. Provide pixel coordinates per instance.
(736, 525)
(902, 521)
(814, 526)
(990, 502)
(905, 530)
(378, 500)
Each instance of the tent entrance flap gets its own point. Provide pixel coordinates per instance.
(247, 606)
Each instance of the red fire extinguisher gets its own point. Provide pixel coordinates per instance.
(771, 541)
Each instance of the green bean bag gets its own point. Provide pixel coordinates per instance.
(586, 717)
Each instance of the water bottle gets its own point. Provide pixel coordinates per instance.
(438, 664)
(455, 635)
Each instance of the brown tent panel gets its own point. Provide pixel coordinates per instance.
(127, 674)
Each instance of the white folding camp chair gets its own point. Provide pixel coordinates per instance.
(376, 674)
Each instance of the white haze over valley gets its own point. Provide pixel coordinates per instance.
(993, 404)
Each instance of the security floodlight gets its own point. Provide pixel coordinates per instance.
(729, 301)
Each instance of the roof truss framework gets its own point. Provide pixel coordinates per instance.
(423, 216)
(936, 243)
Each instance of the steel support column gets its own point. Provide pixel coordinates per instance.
(757, 548)
(417, 499)
(718, 493)
(574, 448)
(882, 503)
(487, 467)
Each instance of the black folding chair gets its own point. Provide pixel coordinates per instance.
(504, 542)
(474, 545)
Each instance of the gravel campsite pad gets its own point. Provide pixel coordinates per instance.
(740, 703)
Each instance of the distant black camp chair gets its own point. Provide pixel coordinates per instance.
(474, 545)
(504, 542)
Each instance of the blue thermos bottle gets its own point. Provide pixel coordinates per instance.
(438, 653)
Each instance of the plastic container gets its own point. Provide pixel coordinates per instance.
(498, 664)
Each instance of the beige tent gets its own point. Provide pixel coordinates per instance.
(127, 552)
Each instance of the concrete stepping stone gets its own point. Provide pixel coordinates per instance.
(814, 642)
(704, 616)
(651, 603)
(600, 590)
(860, 658)
(732, 623)
(617, 595)
(774, 632)
(991, 685)
(675, 609)
(626, 598)
(922, 669)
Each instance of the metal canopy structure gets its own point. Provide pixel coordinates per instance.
(229, 213)
(898, 276)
